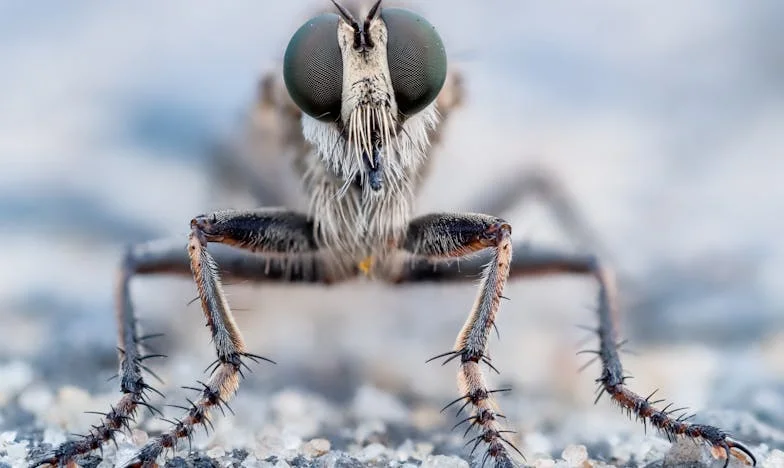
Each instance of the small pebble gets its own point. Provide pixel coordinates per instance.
(575, 455)
(139, 437)
(367, 428)
(16, 451)
(372, 452)
(686, 452)
(422, 450)
(268, 446)
(316, 448)
(290, 440)
(774, 460)
(405, 450)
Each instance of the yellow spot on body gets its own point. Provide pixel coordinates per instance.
(366, 264)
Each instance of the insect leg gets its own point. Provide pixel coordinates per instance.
(266, 231)
(534, 262)
(170, 257)
(444, 236)
(526, 262)
(153, 257)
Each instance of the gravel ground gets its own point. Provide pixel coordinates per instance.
(333, 410)
(664, 122)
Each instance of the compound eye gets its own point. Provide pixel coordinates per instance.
(313, 68)
(416, 57)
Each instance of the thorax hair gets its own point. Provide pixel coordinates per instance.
(353, 221)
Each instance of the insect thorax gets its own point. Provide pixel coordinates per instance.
(352, 220)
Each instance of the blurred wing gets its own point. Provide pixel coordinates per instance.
(263, 158)
(449, 99)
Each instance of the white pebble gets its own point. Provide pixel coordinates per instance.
(423, 449)
(368, 428)
(405, 450)
(372, 452)
(139, 437)
(316, 448)
(575, 455)
(13, 450)
(269, 445)
(774, 460)
(291, 441)
(16, 451)
(685, 452)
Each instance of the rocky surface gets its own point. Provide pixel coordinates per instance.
(330, 410)
(304, 430)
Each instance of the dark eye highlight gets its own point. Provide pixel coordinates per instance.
(313, 68)
(416, 57)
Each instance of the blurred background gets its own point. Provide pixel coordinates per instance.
(662, 120)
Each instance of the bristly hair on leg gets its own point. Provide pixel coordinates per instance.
(613, 382)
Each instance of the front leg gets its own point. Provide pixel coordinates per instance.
(439, 237)
(289, 235)
(442, 236)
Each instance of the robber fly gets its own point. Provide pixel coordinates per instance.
(358, 109)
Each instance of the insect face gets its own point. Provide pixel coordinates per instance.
(364, 81)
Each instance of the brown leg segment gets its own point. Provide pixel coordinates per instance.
(140, 259)
(526, 262)
(229, 347)
(269, 231)
(613, 381)
(443, 236)
(531, 262)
